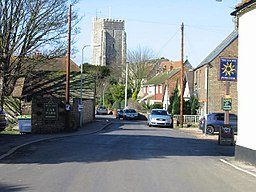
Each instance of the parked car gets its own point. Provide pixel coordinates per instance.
(102, 110)
(159, 117)
(2, 120)
(216, 120)
(130, 114)
(120, 114)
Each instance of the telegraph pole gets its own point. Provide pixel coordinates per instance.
(68, 71)
(181, 75)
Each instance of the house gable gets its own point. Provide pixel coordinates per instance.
(216, 52)
(208, 88)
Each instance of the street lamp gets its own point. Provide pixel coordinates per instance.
(81, 89)
(80, 107)
(103, 94)
(126, 82)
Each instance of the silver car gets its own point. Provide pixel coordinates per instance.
(159, 117)
(130, 114)
(102, 110)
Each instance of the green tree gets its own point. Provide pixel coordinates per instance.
(118, 92)
(187, 107)
(139, 66)
(156, 106)
(194, 105)
(191, 106)
(100, 72)
(174, 107)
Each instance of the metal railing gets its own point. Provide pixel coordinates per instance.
(188, 118)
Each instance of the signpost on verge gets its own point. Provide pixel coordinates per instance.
(228, 72)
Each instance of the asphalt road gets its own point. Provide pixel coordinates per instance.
(128, 156)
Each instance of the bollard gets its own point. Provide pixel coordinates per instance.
(175, 123)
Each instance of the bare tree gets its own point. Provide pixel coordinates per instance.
(140, 64)
(27, 27)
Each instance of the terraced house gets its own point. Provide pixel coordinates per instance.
(159, 88)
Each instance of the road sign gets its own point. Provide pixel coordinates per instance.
(228, 69)
(80, 107)
(226, 136)
(227, 103)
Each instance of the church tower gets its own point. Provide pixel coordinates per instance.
(108, 42)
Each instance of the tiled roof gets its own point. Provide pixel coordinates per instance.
(188, 65)
(172, 64)
(219, 49)
(160, 78)
(56, 64)
(244, 4)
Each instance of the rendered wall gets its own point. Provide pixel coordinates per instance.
(246, 139)
(246, 79)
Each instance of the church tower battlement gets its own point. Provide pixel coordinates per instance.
(108, 42)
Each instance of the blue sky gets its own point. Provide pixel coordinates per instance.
(155, 25)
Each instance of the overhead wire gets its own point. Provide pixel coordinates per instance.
(167, 42)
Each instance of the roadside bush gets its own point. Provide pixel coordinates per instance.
(156, 106)
(116, 105)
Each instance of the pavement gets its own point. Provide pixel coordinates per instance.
(241, 166)
(10, 143)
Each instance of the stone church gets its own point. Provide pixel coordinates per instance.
(108, 42)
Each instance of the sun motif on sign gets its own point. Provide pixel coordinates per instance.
(228, 69)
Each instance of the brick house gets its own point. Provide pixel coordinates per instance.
(245, 149)
(207, 86)
(159, 88)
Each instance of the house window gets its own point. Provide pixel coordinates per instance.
(160, 89)
(144, 90)
(156, 87)
(151, 90)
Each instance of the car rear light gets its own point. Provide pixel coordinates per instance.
(202, 121)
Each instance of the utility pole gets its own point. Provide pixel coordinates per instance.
(68, 71)
(226, 114)
(181, 75)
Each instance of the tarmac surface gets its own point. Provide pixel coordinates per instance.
(9, 143)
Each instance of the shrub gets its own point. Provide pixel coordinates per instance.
(116, 105)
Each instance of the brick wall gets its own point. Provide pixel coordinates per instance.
(216, 88)
(49, 114)
(40, 124)
(172, 82)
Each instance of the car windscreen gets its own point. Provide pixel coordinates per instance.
(160, 112)
(232, 117)
(130, 111)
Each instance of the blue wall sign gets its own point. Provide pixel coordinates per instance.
(228, 69)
